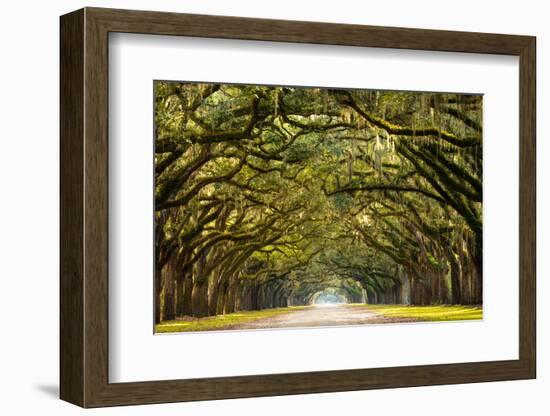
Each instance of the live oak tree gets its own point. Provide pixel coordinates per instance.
(270, 196)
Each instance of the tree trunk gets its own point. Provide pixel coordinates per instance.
(220, 301)
(199, 296)
(169, 310)
(187, 295)
(199, 299)
(214, 292)
(478, 253)
(254, 297)
(456, 290)
(405, 289)
(179, 293)
(229, 301)
(158, 290)
(238, 297)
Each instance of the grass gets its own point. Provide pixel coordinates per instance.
(219, 322)
(428, 313)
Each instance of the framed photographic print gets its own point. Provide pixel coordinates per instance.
(261, 207)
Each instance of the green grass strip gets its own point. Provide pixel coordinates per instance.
(428, 313)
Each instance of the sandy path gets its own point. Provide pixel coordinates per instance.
(333, 315)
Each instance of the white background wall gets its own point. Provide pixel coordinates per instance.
(29, 210)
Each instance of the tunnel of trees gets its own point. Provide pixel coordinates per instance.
(271, 196)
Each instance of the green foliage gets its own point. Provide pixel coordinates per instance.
(303, 189)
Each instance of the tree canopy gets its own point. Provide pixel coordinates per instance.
(267, 196)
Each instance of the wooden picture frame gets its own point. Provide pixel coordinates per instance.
(84, 207)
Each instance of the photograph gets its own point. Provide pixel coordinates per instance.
(301, 207)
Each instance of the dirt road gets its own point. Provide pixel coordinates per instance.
(322, 315)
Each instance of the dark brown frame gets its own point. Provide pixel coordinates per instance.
(84, 209)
